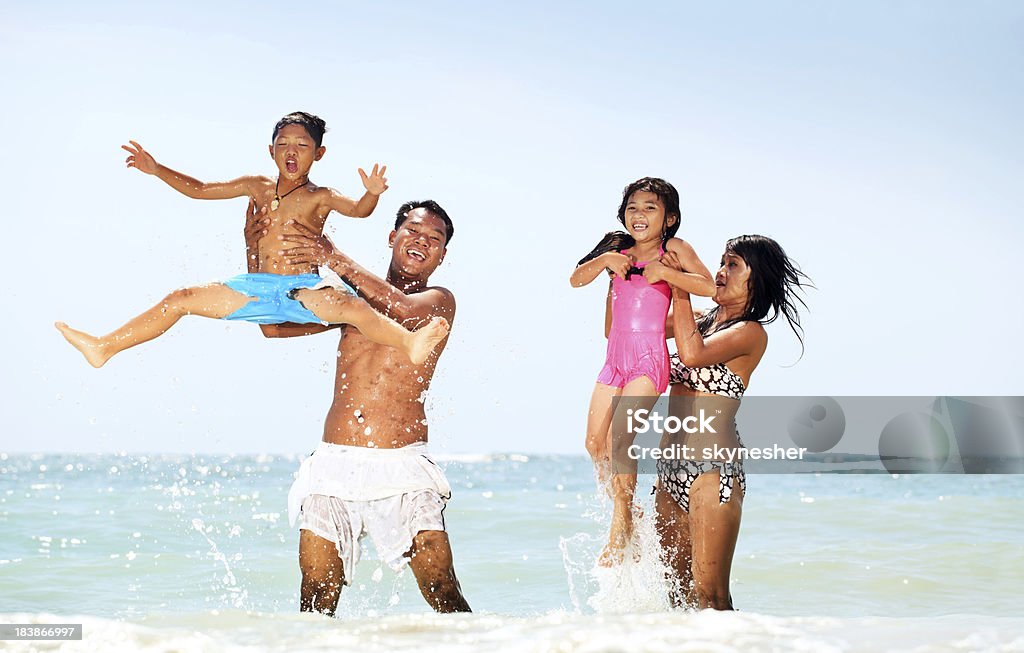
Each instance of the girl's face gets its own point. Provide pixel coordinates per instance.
(732, 281)
(645, 216)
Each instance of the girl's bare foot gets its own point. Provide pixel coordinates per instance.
(425, 339)
(619, 536)
(613, 552)
(90, 346)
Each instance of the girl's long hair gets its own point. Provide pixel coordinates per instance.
(614, 241)
(772, 288)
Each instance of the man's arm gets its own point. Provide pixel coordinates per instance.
(375, 184)
(142, 160)
(308, 247)
(255, 228)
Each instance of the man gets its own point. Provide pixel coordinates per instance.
(371, 473)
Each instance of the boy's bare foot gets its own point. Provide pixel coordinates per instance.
(90, 346)
(425, 339)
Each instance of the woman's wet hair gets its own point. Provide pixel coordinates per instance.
(772, 287)
(314, 125)
(614, 241)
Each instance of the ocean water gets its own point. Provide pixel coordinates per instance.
(194, 553)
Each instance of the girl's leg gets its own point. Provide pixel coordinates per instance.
(638, 394)
(214, 300)
(673, 526)
(715, 527)
(599, 421)
(342, 308)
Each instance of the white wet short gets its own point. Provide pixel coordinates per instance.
(345, 492)
(391, 523)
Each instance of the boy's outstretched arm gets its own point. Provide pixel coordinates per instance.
(375, 184)
(142, 160)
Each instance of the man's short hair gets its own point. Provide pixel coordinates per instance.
(433, 207)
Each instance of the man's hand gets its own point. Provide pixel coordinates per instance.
(375, 183)
(139, 158)
(307, 247)
(616, 263)
(256, 224)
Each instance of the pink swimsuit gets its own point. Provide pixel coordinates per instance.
(636, 342)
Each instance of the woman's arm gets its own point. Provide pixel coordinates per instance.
(680, 267)
(742, 339)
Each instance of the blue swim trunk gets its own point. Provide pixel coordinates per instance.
(273, 303)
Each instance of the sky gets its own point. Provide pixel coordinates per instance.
(879, 142)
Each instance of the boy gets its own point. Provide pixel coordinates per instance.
(280, 292)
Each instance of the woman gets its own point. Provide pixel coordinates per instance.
(699, 501)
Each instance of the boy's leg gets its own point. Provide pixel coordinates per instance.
(431, 561)
(342, 308)
(214, 300)
(323, 573)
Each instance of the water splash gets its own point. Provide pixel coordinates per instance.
(237, 596)
(638, 584)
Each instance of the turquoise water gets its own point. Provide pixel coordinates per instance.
(166, 552)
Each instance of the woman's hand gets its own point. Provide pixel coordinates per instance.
(655, 271)
(669, 261)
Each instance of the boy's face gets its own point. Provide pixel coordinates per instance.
(294, 151)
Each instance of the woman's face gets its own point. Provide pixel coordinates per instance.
(645, 216)
(732, 281)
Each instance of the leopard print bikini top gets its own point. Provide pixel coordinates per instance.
(713, 379)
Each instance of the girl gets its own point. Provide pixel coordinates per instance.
(636, 365)
(698, 502)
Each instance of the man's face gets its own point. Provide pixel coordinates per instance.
(419, 244)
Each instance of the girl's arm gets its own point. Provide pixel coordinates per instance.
(742, 339)
(614, 262)
(142, 160)
(680, 267)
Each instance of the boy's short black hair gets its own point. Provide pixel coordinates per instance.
(433, 207)
(314, 125)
